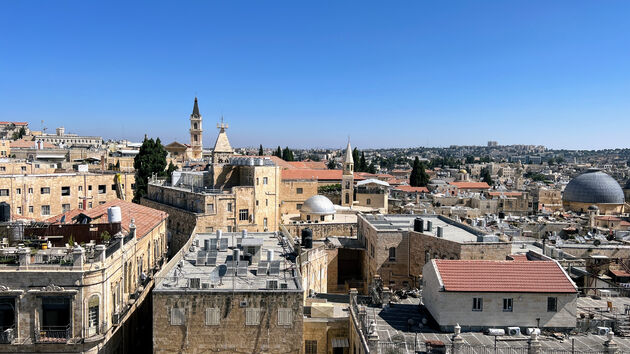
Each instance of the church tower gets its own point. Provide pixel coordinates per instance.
(196, 133)
(347, 179)
(222, 149)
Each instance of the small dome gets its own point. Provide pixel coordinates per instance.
(318, 205)
(594, 187)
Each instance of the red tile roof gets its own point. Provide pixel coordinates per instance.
(503, 276)
(145, 218)
(619, 273)
(308, 165)
(321, 175)
(518, 257)
(470, 185)
(410, 189)
(26, 144)
(15, 123)
(608, 218)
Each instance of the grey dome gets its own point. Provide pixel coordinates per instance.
(593, 186)
(319, 205)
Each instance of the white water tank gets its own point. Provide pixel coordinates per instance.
(114, 214)
(270, 255)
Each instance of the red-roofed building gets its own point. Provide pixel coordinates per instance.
(481, 294)
(471, 186)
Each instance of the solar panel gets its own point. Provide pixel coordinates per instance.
(242, 270)
(213, 244)
(223, 246)
(262, 268)
(231, 264)
(274, 268)
(230, 272)
(211, 261)
(201, 258)
(212, 253)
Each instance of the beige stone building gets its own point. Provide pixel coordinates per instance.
(40, 194)
(60, 138)
(547, 199)
(81, 286)
(5, 148)
(398, 246)
(230, 293)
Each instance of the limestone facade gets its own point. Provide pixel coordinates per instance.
(40, 196)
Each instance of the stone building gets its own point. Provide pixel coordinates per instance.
(512, 202)
(82, 282)
(33, 192)
(396, 248)
(5, 148)
(347, 179)
(60, 138)
(230, 293)
(317, 209)
(481, 294)
(7, 129)
(547, 199)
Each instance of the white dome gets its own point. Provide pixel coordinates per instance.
(318, 205)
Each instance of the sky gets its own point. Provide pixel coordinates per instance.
(311, 73)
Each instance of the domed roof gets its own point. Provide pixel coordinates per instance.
(593, 186)
(319, 205)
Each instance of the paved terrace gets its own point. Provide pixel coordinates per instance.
(452, 230)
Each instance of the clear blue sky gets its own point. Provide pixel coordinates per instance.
(307, 74)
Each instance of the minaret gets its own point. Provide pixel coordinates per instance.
(196, 133)
(347, 179)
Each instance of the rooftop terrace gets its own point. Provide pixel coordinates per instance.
(262, 261)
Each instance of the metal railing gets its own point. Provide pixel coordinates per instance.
(53, 334)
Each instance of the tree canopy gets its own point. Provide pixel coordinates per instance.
(261, 152)
(419, 176)
(150, 160)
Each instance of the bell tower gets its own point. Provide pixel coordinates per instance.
(196, 133)
(347, 179)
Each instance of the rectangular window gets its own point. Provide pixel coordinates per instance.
(102, 189)
(299, 191)
(265, 180)
(80, 188)
(392, 254)
(30, 209)
(210, 208)
(257, 181)
(229, 229)
(90, 205)
(229, 206)
(45, 209)
(209, 229)
(178, 316)
(243, 215)
(44, 190)
(552, 304)
(90, 187)
(30, 191)
(252, 317)
(18, 191)
(65, 208)
(55, 314)
(212, 316)
(19, 210)
(310, 347)
(65, 191)
(4, 192)
(298, 206)
(368, 201)
(285, 317)
(2, 168)
(266, 202)
(23, 168)
(477, 304)
(113, 187)
(507, 305)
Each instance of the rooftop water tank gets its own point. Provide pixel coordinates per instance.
(114, 215)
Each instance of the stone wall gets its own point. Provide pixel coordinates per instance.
(290, 199)
(232, 335)
(323, 230)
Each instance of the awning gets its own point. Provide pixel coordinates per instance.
(340, 343)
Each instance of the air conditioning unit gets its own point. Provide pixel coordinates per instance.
(603, 331)
(496, 331)
(514, 331)
(531, 330)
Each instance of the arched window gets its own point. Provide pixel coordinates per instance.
(194, 125)
(93, 315)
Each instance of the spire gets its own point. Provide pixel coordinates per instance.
(195, 112)
(348, 158)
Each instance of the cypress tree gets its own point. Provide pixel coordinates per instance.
(150, 160)
(260, 151)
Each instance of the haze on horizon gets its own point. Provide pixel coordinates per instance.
(310, 74)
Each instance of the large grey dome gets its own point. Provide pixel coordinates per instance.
(319, 205)
(595, 187)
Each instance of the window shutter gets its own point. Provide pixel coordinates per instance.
(285, 317)
(212, 316)
(177, 316)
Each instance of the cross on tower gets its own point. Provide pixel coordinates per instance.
(222, 126)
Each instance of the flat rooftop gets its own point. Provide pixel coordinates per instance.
(210, 265)
(451, 230)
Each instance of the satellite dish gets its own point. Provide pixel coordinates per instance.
(597, 242)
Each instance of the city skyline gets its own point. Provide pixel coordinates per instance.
(414, 74)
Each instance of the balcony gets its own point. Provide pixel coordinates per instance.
(53, 334)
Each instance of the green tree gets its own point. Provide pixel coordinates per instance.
(287, 154)
(19, 134)
(261, 152)
(371, 168)
(332, 164)
(362, 163)
(486, 177)
(150, 160)
(419, 176)
(356, 157)
(278, 152)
